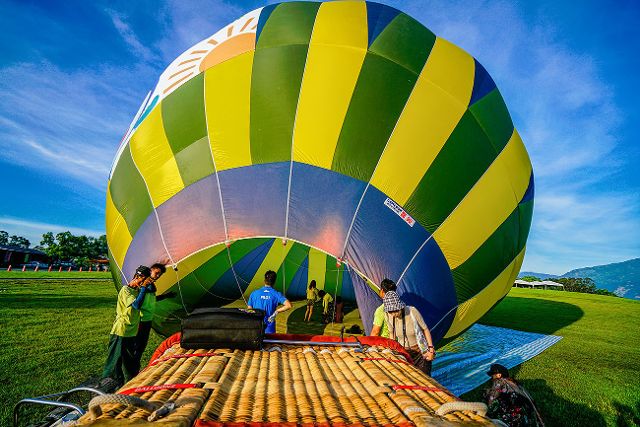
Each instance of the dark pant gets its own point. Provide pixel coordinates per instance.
(419, 361)
(121, 363)
(141, 341)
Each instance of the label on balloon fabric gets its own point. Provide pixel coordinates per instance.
(399, 211)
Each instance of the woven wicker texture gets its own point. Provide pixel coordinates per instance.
(290, 385)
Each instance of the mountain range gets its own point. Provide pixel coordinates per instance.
(622, 278)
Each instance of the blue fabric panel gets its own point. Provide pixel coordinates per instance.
(528, 195)
(298, 287)
(482, 83)
(321, 207)
(255, 199)
(428, 286)
(247, 267)
(192, 219)
(347, 292)
(366, 298)
(146, 248)
(378, 17)
(264, 16)
(381, 242)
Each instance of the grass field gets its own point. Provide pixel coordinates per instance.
(54, 336)
(19, 274)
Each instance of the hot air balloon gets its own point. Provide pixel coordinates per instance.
(340, 141)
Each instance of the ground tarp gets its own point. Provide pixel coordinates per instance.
(461, 365)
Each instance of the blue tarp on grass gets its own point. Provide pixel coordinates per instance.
(461, 365)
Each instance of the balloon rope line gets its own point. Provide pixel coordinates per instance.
(208, 291)
(180, 293)
(215, 170)
(335, 297)
(412, 259)
(293, 132)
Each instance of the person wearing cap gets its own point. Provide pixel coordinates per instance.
(146, 303)
(271, 301)
(407, 326)
(508, 401)
(121, 362)
(327, 306)
(380, 327)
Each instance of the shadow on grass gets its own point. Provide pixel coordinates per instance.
(49, 302)
(626, 416)
(532, 315)
(297, 325)
(555, 410)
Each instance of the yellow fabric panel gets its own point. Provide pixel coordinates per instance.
(118, 236)
(152, 154)
(437, 102)
(274, 259)
(336, 53)
(187, 266)
(487, 205)
(472, 310)
(317, 267)
(227, 92)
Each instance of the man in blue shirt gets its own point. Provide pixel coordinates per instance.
(268, 299)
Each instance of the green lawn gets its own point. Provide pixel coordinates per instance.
(54, 336)
(30, 274)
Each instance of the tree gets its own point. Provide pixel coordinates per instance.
(4, 238)
(19, 241)
(66, 246)
(530, 279)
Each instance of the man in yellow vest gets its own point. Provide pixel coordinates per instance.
(121, 364)
(146, 303)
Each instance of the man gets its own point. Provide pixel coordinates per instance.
(146, 303)
(121, 362)
(508, 401)
(271, 301)
(408, 328)
(380, 327)
(327, 306)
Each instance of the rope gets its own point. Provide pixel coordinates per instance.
(413, 387)
(477, 407)
(118, 399)
(182, 356)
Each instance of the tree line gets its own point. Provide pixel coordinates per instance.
(585, 285)
(63, 247)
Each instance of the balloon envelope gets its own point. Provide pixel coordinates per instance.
(341, 142)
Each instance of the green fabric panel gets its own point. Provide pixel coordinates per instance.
(526, 213)
(489, 260)
(333, 277)
(463, 159)
(492, 114)
(406, 42)
(380, 94)
(129, 192)
(278, 66)
(195, 162)
(183, 114)
(291, 265)
(389, 72)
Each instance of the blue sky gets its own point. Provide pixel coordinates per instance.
(73, 74)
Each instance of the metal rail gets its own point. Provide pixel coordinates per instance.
(44, 400)
(313, 343)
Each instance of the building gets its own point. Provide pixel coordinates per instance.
(545, 284)
(16, 256)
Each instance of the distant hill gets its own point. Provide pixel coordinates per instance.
(622, 278)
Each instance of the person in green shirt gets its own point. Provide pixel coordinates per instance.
(312, 298)
(327, 306)
(380, 327)
(146, 303)
(121, 364)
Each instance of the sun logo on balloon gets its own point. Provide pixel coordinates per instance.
(236, 39)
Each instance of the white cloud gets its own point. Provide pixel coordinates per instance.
(140, 49)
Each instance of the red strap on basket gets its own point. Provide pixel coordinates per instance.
(415, 387)
(148, 388)
(387, 360)
(182, 356)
